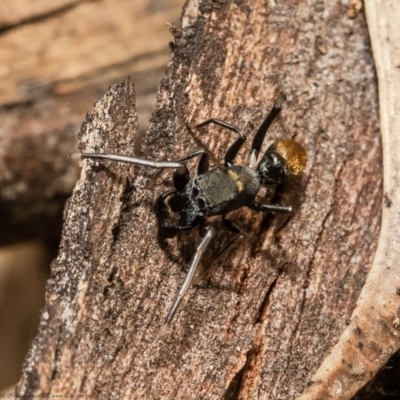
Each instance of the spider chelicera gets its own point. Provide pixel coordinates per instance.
(221, 190)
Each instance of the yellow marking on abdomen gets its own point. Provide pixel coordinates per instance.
(237, 180)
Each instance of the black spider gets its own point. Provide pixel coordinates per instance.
(221, 190)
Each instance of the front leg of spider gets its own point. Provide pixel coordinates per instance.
(221, 190)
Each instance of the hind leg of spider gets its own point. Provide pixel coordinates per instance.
(270, 208)
(274, 209)
(235, 147)
(263, 129)
(232, 227)
(201, 248)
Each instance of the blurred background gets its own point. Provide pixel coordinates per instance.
(56, 58)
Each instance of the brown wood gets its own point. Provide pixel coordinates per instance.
(22, 284)
(48, 84)
(371, 340)
(262, 323)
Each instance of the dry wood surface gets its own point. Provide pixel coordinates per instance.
(56, 58)
(261, 324)
(47, 85)
(371, 341)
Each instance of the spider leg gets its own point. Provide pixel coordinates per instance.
(270, 208)
(181, 175)
(263, 129)
(232, 227)
(235, 147)
(201, 248)
(203, 165)
(135, 160)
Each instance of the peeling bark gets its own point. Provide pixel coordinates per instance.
(259, 326)
(373, 333)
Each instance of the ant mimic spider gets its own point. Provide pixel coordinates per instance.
(221, 190)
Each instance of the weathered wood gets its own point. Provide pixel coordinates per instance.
(262, 323)
(49, 83)
(373, 333)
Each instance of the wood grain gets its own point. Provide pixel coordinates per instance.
(372, 335)
(262, 323)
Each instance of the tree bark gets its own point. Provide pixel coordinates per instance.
(371, 340)
(261, 324)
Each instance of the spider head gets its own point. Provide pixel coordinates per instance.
(283, 160)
